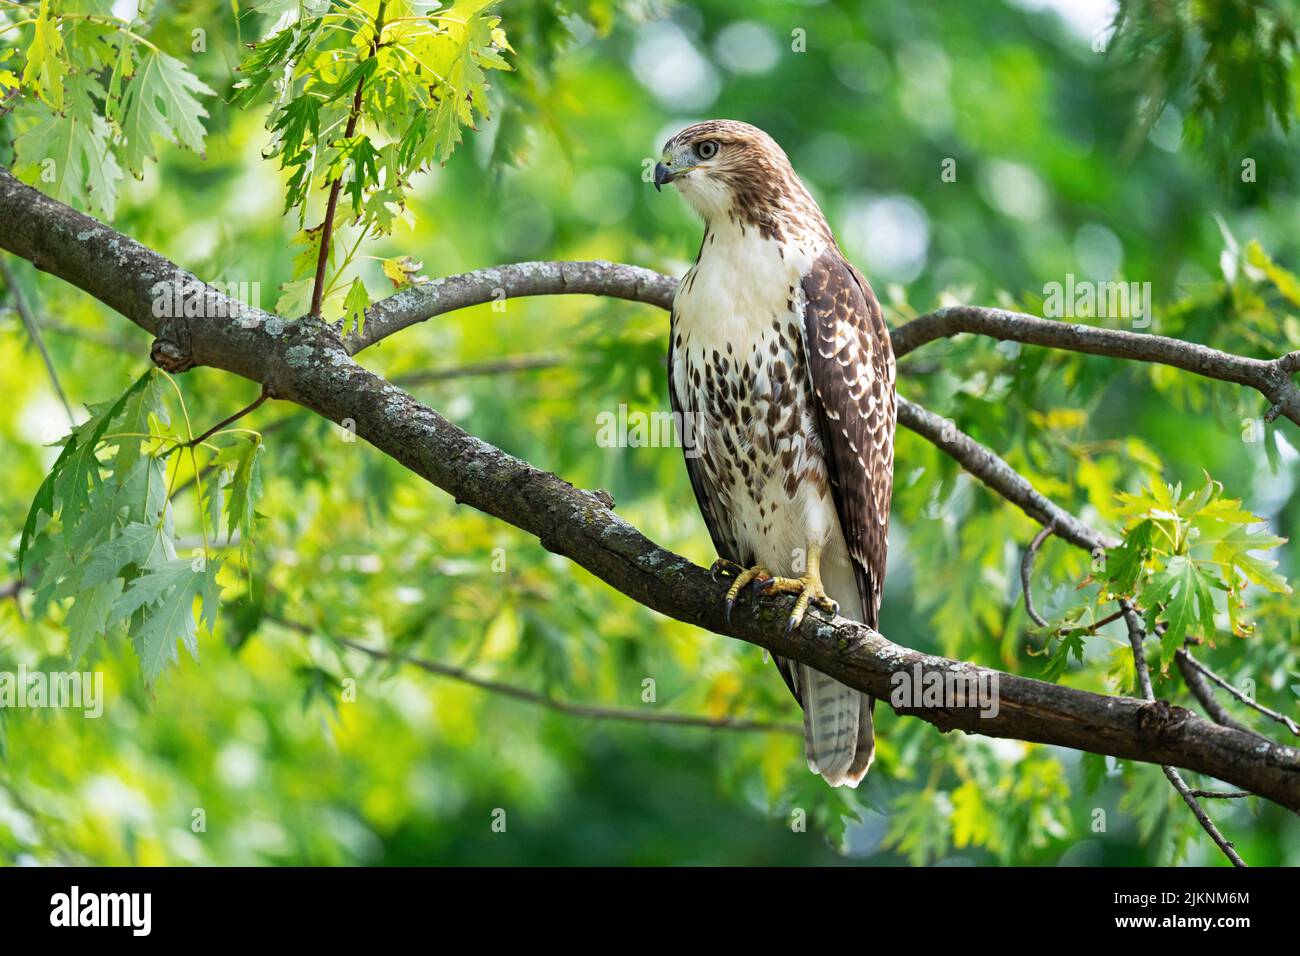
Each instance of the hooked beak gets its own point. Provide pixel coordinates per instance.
(662, 175)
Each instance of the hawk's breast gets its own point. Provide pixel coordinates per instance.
(741, 375)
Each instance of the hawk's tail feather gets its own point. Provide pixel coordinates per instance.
(866, 750)
(839, 739)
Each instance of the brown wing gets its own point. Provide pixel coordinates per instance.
(705, 494)
(851, 363)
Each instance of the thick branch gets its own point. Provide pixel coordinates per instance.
(306, 363)
(417, 303)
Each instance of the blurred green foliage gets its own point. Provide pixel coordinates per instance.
(972, 152)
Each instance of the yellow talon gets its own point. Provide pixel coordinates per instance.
(742, 581)
(808, 587)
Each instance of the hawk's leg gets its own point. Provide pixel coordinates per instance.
(743, 576)
(808, 586)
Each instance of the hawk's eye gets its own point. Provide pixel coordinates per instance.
(707, 149)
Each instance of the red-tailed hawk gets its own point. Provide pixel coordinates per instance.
(780, 358)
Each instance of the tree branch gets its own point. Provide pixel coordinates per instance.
(504, 366)
(418, 303)
(1271, 378)
(992, 469)
(34, 332)
(305, 362)
(1137, 637)
(1204, 694)
(1027, 575)
(1268, 712)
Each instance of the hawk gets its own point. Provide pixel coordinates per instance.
(780, 361)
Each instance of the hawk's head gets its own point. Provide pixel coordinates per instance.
(729, 169)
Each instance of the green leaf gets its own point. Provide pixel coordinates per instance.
(165, 596)
(210, 594)
(295, 297)
(1184, 591)
(1124, 564)
(151, 587)
(68, 154)
(1284, 281)
(1235, 549)
(89, 615)
(919, 828)
(972, 817)
(137, 544)
(46, 65)
(357, 162)
(298, 126)
(86, 435)
(161, 100)
(214, 497)
(1068, 644)
(354, 307)
(1094, 771)
(141, 410)
(360, 73)
(307, 241)
(267, 62)
(455, 59)
(245, 488)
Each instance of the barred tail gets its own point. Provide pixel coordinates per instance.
(839, 736)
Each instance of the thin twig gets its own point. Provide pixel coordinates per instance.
(1223, 794)
(541, 700)
(505, 366)
(1282, 719)
(994, 471)
(1202, 691)
(1270, 377)
(327, 227)
(1137, 636)
(34, 331)
(251, 406)
(1202, 817)
(1026, 573)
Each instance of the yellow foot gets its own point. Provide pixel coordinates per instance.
(809, 589)
(743, 576)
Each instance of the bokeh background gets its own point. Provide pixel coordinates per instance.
(1077, 149)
